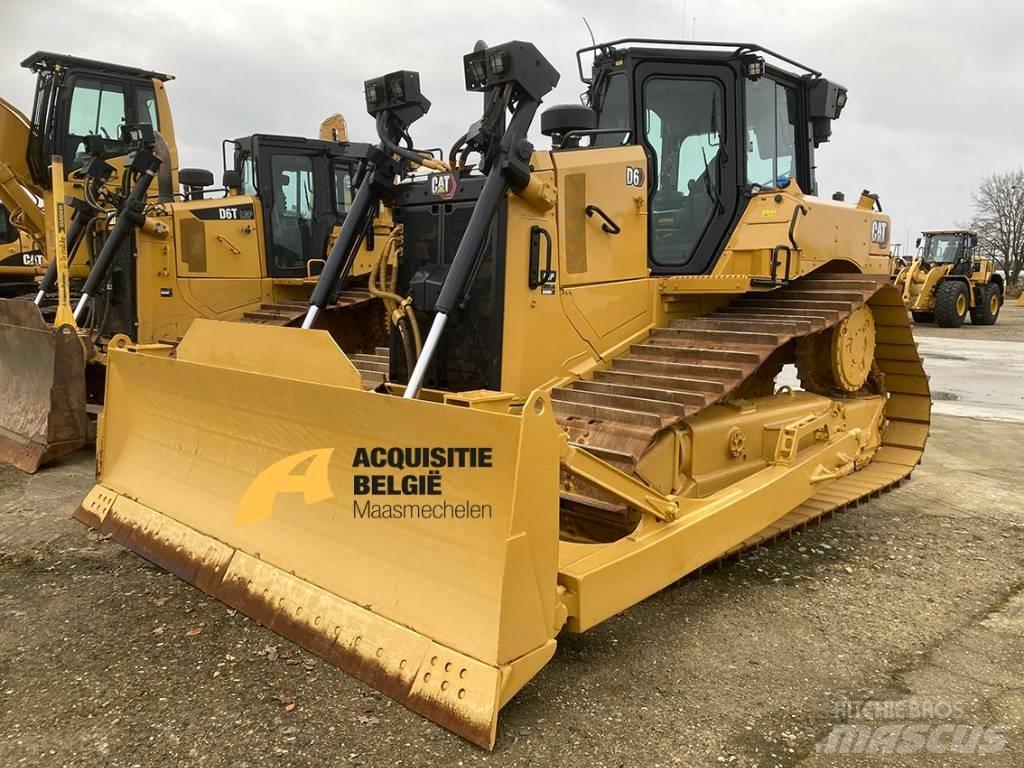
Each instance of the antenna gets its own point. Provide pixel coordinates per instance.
(592, 40)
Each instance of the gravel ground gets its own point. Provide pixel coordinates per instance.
(914, 598)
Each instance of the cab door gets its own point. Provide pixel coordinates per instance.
(299, 212)
(689, 130)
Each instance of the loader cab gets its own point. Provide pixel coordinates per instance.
(952, 248)
(77, 98)
(719, 123)
(305, 190)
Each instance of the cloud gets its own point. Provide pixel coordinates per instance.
(935, 101)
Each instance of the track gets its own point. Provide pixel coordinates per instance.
(696, 362)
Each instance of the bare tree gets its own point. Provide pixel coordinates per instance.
(999, 221)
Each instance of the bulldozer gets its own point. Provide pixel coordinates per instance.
(157, 257)
(949, 280)
(580, 405)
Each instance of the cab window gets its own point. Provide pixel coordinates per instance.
(771, 133)
(248, 167)
(291, 216)
(97, 108)
(683, 121)
(613, 111)
(145, 107)
(342, 189)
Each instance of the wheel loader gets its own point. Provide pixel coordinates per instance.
(949, 279)
(580, 406)
(159, 258)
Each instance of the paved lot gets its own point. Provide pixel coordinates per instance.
(914, 599)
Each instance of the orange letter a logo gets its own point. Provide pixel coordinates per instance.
(258, 500)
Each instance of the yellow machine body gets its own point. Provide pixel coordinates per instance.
(436, 547)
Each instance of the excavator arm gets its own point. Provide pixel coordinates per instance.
(18, 192)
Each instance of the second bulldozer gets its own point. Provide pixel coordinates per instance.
(155, 258)
(580, 405)
(949, 280)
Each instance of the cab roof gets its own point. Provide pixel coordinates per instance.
(687, 49)
(45, 60)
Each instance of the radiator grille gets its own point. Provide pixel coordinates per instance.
(469, 356)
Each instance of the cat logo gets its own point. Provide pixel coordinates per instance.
(32, 259)
(634, 176)
(443, 185)
(880, 232)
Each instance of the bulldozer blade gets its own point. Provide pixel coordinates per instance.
(412, 544)
(43, 400)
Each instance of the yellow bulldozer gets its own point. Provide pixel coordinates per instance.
(157, 258)
(949, 280)
(580, 404)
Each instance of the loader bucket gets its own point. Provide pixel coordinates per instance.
(42, 401)
(411, 543)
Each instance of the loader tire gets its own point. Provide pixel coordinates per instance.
(923, 317)
(989, 301)
(951, 303)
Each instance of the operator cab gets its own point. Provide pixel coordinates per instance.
(79, 98)
(719, 122)
(305, 188)
(954, 247)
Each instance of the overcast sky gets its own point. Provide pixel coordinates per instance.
(936, 94)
